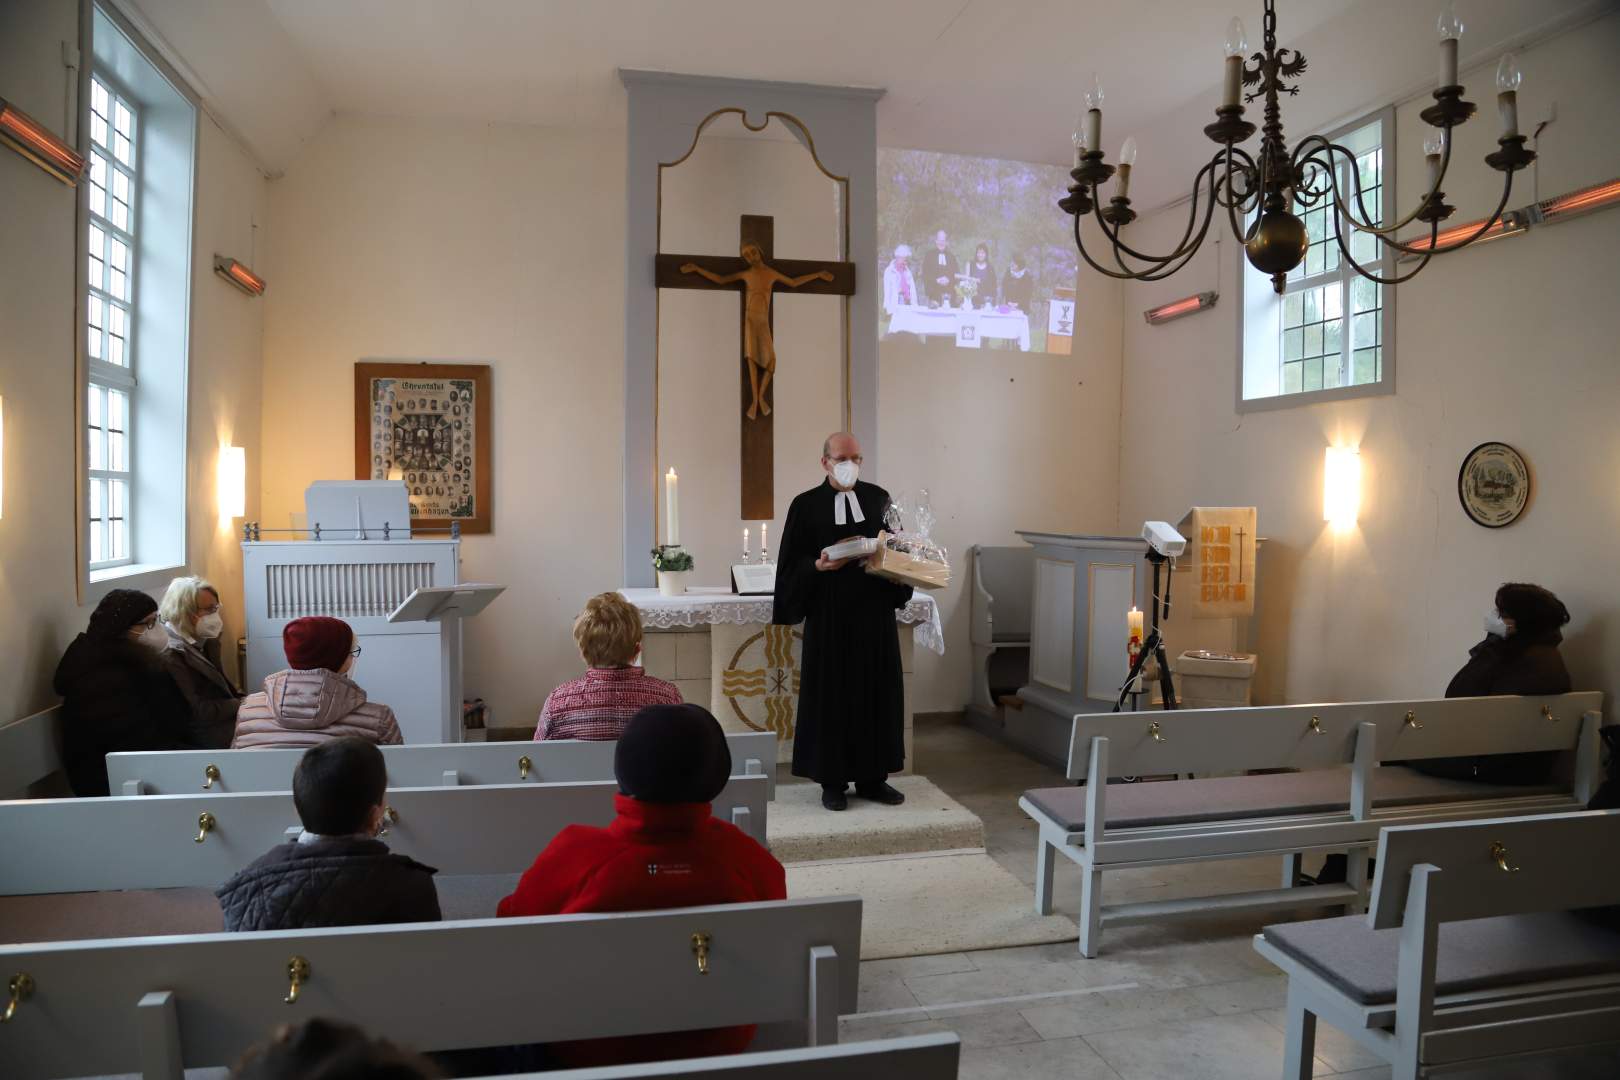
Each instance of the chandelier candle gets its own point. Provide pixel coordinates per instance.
(1094, 100)
(1508, 78)
(1433, 146)
(1451, 29)
(1237, 43)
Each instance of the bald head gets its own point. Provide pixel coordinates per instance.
(840, 446)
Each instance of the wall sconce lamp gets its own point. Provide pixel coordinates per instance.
(239, 275)
(1187, 305)
(30, 138)
(1341, 486)
(232, 481)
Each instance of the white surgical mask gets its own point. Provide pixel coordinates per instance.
(154, 637)
(210, 627)
(845, 472)
(1494, 624)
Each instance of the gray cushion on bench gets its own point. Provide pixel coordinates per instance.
(1475, 954)
(1219, 798)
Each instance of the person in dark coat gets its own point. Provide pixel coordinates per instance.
(1018, 285)
(937, 272)
(1519, 655)
(665, 849)
(983, 273)
(116, 694)
(851, 715)
(190, 613)
(336, 873)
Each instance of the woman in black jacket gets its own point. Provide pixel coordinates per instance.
(116, 693)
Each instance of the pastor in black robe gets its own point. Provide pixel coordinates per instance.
(851, 719)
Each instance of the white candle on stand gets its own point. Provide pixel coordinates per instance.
(672, 514)
(764, 547)
(745, 544)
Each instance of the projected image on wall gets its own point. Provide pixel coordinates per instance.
(975, 253)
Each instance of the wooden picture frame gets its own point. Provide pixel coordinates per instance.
(451, 445)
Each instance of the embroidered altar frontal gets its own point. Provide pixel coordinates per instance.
(722, 651)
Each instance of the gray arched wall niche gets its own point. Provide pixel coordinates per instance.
(666, 115)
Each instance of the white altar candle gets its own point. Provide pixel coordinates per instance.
(672, 513)
(764, 547)
(1133, 629)
(745, 544)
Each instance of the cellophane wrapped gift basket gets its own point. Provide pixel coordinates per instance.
(909, 555)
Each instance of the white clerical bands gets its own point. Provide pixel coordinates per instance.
(840, 500)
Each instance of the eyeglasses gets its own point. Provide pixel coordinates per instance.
(209, 610)
(857, 459)
(356, 651)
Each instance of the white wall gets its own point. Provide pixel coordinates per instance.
(1513, 341)
(38, 560)
(479, 244)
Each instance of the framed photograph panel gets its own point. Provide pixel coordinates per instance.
(428, 425)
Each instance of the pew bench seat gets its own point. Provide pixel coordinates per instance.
(89, 916)
(1221, 798)
(1476, 954)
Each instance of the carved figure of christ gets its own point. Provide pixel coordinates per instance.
(756, 274)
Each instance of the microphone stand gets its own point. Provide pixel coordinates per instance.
(1154, 645)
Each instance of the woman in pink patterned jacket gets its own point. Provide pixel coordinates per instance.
(598, 706)
(314, 699)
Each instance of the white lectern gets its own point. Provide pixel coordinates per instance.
(447, 606)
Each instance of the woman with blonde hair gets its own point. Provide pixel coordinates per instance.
(599, 705)
(191, 618)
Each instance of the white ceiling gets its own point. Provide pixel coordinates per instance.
(1001, 78)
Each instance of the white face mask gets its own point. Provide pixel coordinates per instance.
(153, 637)
(210, 627)
(844, 473)
(1494, 624)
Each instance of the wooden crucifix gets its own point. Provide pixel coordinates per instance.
(756, 273)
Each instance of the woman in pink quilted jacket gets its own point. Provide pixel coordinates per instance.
(314, 699)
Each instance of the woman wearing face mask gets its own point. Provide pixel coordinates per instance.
(314, 700)
(116, 694)
(191, 618)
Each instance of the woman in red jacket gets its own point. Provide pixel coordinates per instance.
(665, 850)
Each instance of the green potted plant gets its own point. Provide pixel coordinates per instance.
(673, 563)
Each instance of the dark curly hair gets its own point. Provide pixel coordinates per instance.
(321, 1049)
(1534, 610)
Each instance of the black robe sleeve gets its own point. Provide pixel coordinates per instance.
(796, 556)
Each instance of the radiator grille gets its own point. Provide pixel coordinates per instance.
(343, 590)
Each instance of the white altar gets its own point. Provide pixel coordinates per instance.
(721, 649)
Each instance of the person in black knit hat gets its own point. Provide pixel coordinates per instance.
(116, 693)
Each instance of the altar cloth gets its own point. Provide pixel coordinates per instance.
(967, 326)
(716, 605)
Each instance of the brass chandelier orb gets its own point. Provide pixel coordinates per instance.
(1264, 194)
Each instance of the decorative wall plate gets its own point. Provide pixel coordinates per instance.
(1493, 484)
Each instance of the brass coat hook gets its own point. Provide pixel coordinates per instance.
(1413, 722)
(297, 975)
(1546, 710)
(1153, 730)
(22, 988)
(210, 774)
(700, 949)
(524, 765)
(205, 825)
(1499, 855)
(390, 816)
(1316, 725)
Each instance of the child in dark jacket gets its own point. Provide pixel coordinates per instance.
(665, 850)
(336, 873)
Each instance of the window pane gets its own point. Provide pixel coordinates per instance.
(122, 120)
(1313, 374)
(98, 541)
(1313, 340)
(120, 214)
(116, 285)
(93, 345)
(1364, 247)
(116, 490)
(1291, 343)
(98, 96)
(98, 448)
(1331, 366)
(1364, 329)
(1364, 368)
(115, 351)
(1313, 260)
(98, 129)
(1313, 305)
(95, 311)
(118, 314)
(1292, 381)
(117, 410)
(1291, 309)
(120, 255)
(98, 169)
(1330, 255)
(98, 505)
(120, 185)
(98, 200)
(1332, 302)
(1333, 337)
(121, 149)
(120, 541)
(1363, 294)
(93, 413)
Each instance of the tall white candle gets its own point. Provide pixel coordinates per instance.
(745, 544)
(672, 509)
(1093, 129)
(1448, 61)
(764, 546)
(1233, 88)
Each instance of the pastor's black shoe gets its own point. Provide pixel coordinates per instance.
(880, 792)
(833, 798)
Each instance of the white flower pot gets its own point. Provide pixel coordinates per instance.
(672, 582)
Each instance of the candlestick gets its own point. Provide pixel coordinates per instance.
(1508, 78)
(745, 546)
(1133, 632)
(1451, 29)
(1234, 80)
(764, 546)
(672, 515)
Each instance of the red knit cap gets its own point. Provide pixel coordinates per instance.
(317, 641)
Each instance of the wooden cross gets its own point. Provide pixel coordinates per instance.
(807, 276)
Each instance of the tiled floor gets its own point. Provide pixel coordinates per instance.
(1189, 1000)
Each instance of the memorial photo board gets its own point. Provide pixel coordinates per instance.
(429, 426)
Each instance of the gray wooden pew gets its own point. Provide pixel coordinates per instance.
(168, 841)
(913, 1057)
(1003, 589)
(1338, 799)
(154, 1005)
(173, 772)
(28, 752)
(1514, 972)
